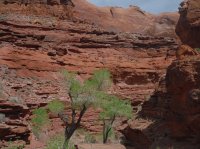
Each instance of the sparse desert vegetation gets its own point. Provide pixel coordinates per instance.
(126, 84)
(90, 93)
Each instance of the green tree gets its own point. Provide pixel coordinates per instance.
(113, 107)
(56, 106)
(83, 96)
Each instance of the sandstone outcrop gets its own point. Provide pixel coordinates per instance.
(188, 27)
(81, 47)
(13, 122)
(173, 112)
(116, 19)
(132, 19)
(184, 51)
(32, 55)
(135, 135)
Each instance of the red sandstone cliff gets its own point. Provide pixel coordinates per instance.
(132, 19)
(188, 27)
(34, 48)
(170, 118)
(117, 19)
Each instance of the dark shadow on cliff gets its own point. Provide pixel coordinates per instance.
(167, 115)
(164, 122)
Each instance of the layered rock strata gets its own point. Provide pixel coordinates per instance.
(33, 54)
(35, 48)
(116, 19)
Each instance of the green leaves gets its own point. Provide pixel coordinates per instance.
(40, 117)
(56, 106)
(75, 88)
(39, 120)
(56, 142)
(69, 78)
(92, 93)
(114, 107)
(102, 79)
(84, 94)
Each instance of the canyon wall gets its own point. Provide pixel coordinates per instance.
(36, 46)
(188, 27)
(170, 117)
(116, 19)
(132, 19)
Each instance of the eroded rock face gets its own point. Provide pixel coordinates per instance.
(184, 91)
(35, 48)
(132, 19)
(32, 56)
(116, 19)
(50, 2)
(13, 124)
(188, 27)
(135, 135)
(41, 51)
(175, 107)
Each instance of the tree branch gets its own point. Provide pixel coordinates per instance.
(81, 115)
(73, 116)
(113, 119)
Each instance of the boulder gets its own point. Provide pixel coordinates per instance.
(135, 134)
(188, 26)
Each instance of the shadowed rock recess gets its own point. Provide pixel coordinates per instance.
(170, 118)
(39, 38)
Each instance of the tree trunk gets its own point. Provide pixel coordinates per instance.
(107, 128)
(65, 144)
(106, 134)
(71, 128)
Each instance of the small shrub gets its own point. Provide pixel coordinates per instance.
(41, 117)
(55, 106)
(56, 142)
(89, 138)
(39, 120)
